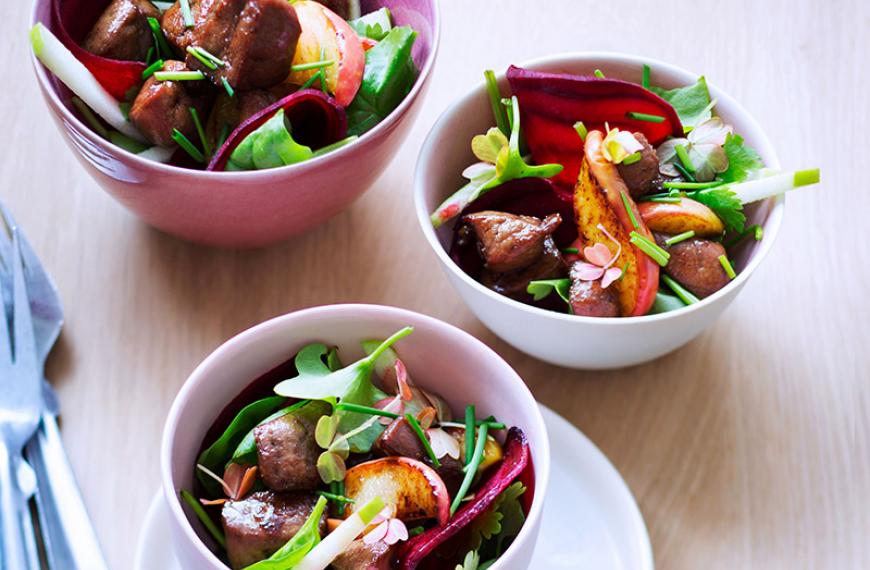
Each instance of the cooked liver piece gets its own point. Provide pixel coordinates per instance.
(362, 556)
(695, 265)
(256, 38)
(399, 439)
(262, 523)
(508, 242)
(590, 299)
(641, 177)
(287, 453)
(549, 265)
(165, 105)
(122, 31)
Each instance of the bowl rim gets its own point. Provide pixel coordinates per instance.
(430, 146)
(274, 326)
(42, 75)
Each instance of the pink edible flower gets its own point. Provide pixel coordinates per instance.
(389, 530)
(599, 261)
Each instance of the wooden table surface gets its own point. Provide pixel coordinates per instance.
(748, 448)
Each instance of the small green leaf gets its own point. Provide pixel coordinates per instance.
(246, 450)
(471, 562)
(741, 159)
(298, 547)
(542, 289)
(324, 432)
(331, 467)
(269, 146)
(374, 25)
(692, 102)
(487, 147)
(724, 204)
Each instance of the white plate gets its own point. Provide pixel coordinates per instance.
(590, 519)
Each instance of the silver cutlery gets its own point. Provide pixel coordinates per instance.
(21, 406)
(69, 539)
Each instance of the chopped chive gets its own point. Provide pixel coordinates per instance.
(152, 69)
(149, 55)
(229, 88)
(692, 185)
(650, 248)
(646, 117)
(90, 117)
(203, 517)
(313, 65)
(755, 230)
(632, 158)
(680, 237)
(224, 134)
(624, 270)
(323, 86)
(416, 530)
(494, 425)
(646, 74)
(685, 296)
(161, 46)
(683, 155)
(179, 75)
(472, 466)
(628, 209)
(427, 445)
(598, 73)
(726, 265)
(188, 146)
(186, 13)
(470, 416)
(366, 410)
(665, 199)
(311, 80)
(686, 174)
(571, 250)
(498, 110)
(335, 497)
(581, 130)
(210, 61)
(200, 131)
(337, 488)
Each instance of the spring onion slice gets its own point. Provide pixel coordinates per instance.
(322, 555)
(418, 429)
(685, 296)
(72, 73)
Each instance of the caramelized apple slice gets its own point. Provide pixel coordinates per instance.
(413, 489)
(688, 215)
(600, 200)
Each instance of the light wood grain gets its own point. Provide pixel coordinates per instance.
(748, 448)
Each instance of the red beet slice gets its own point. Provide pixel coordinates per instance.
(72, 20)
(525, 197)
(517, 457)
(550, 104)
(316, 118)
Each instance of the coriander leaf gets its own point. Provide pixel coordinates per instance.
(472, 559)
(741, 159)
(352, 384)
(502, 522)
(513, 516)
(692, 103)
(374, 25)
(724, 204)
(541, 289)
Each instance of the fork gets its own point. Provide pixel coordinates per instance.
(67, 533)
(21, 406)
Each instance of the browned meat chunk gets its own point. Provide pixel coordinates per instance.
(695, 265)
(549, 265)
(347, 9)
(256, 38)
(641, 177)
(400, 439)
(262, 523)
(286, 450)
(590, 299)
(508, 242)
(229, 112)
(451, 473)
(362, 556)
(162, 106)
(122, 32)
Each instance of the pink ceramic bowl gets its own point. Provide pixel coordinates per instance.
(248, 209)
(440, 357)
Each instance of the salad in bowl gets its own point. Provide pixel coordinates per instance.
(332, 461)
(228, 85)
(601, 197)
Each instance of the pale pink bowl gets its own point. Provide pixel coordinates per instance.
(248, 209)
(440, 358)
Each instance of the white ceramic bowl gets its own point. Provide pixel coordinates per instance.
(440, 357)
(563, 339)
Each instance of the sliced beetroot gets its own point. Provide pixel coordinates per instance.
(71, 22)
(525, 197)
(551, 103)
(316, 118)
(517, 457)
